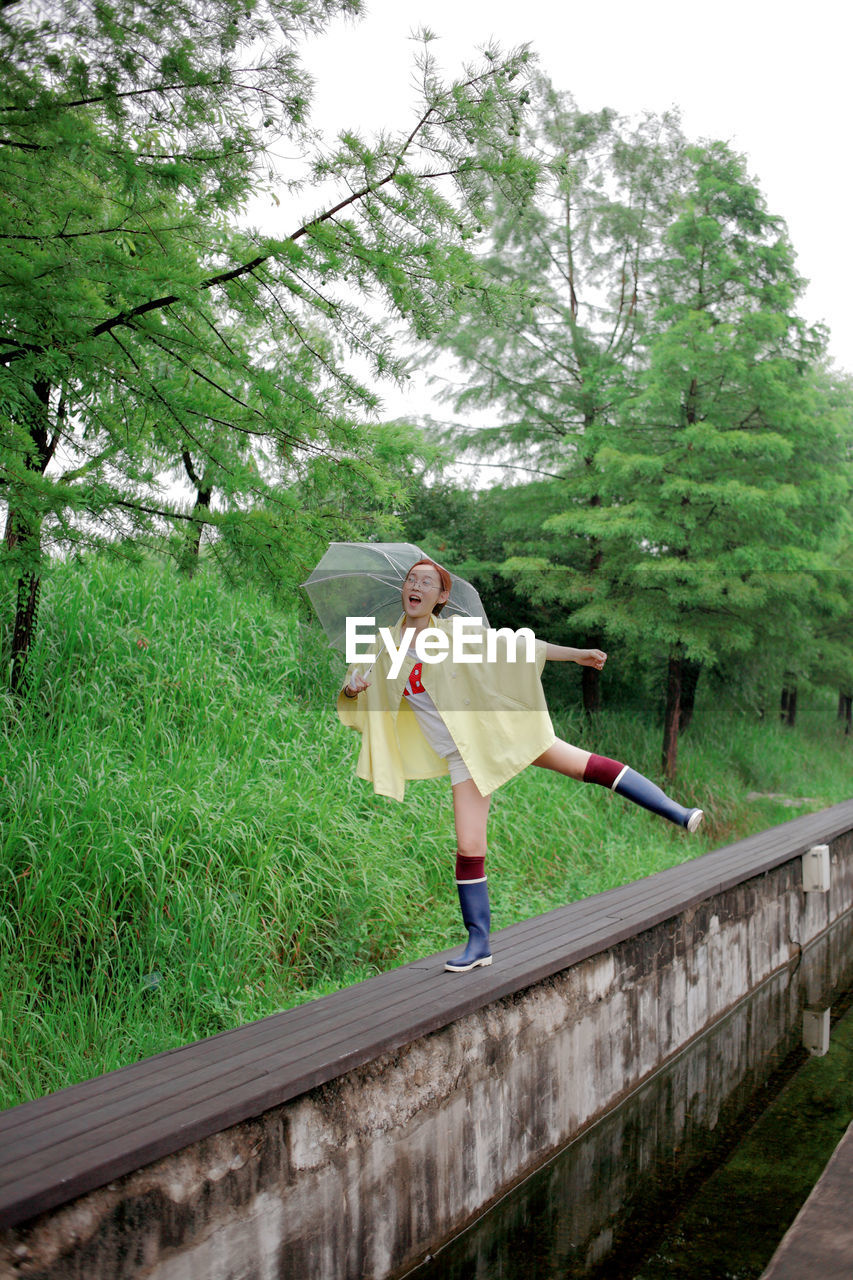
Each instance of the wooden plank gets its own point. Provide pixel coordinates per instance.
(58, 1147)
(248, 1046)
(152, 1079)
(166, 1094)
(192, 1071)
(299, 1023)
(112, 1156)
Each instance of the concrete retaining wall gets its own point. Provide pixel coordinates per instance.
(612, 1189)
(363, 1176)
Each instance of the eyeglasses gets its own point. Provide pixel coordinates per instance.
(428, 584)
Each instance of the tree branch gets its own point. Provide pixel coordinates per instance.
(224, 277)
(189, 468)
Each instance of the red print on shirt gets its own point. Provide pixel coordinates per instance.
(415, 684)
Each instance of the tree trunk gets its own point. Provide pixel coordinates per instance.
(845, 710)
(23, 537)
(190, 557)
(591, 679)
(591, 690)
(591, 683)
(788, 705)
(669, 755)
(690, 673)
(203, 495)
(23, 634)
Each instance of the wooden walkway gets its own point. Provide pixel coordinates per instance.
(58, 1147)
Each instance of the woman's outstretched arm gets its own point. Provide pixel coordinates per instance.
(583, 657)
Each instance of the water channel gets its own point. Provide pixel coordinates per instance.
(699, 1173)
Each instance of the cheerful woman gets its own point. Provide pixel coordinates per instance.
(481, 722)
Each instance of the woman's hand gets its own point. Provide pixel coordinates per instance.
(356, 686)
(591, 658)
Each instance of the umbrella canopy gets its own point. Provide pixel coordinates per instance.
(364, 579)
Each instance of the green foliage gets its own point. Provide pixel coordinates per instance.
(145, 340)
(558, 356)
(184, 845)
(834, 619)
(693, 451)
(723, 487)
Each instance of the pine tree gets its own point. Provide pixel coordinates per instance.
(555, 367)
(721, 486)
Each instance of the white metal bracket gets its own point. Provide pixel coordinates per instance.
(816, 869)
(816, 1031)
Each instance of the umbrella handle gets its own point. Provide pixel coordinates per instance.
(357, 671)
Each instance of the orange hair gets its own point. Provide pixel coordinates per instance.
(446, 580)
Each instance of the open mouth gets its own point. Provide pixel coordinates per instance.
(413, 599)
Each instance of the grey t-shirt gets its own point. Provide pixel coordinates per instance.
(426, 712)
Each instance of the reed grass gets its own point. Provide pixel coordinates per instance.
(185, 847)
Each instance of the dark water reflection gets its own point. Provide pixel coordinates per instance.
(699, 1174)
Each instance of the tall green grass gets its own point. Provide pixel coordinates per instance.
(185, 846)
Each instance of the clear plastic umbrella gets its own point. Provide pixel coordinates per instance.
(364, 579)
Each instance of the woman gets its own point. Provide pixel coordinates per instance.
(481, 722)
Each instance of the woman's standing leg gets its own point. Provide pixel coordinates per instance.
(576, 763)
(470, 814)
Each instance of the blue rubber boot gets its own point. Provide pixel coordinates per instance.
(634, 786)
(476, 916)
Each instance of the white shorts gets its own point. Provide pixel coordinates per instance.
(457, 766)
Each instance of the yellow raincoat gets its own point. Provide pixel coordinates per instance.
(495, 712)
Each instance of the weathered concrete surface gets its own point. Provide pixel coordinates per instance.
(363, 1176)
(819, 1241)
(613, 1188)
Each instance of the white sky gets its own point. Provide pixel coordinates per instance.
(772, 79)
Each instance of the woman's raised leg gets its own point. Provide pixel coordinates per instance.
(573, 762)
(563, 758)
